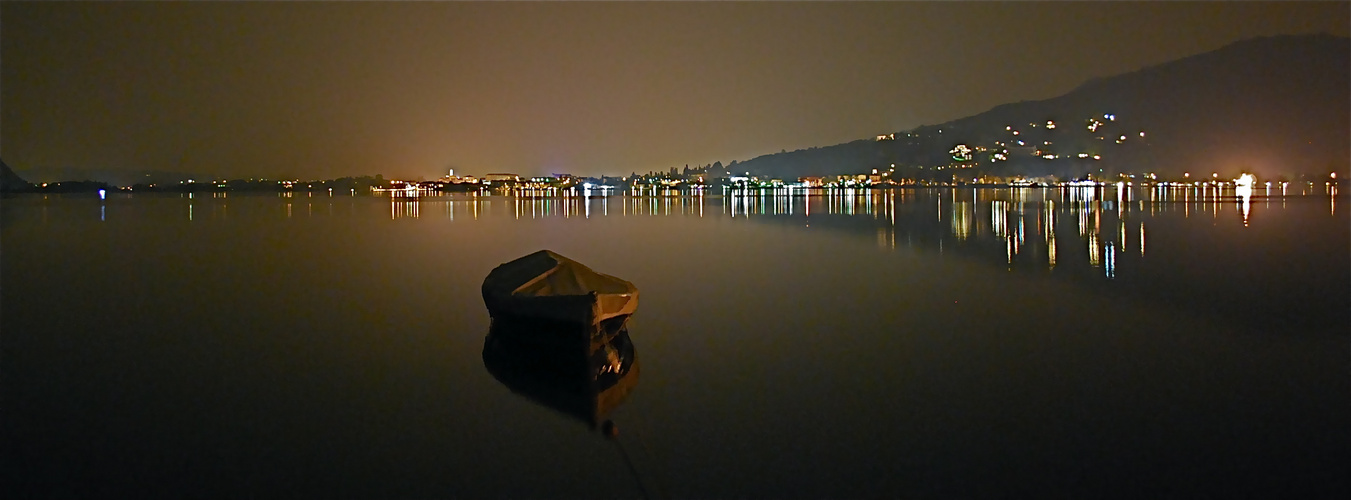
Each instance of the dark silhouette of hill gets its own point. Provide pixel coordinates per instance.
(9, 181)
(1275, 106)
(116, 177)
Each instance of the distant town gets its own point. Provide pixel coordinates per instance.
(1079, 153)
(695, 180)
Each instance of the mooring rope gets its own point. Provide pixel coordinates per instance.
(632, 470)
(642, 443)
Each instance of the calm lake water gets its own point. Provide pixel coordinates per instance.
(916, 343)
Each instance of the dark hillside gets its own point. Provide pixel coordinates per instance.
(1275, 106)
(9, 181)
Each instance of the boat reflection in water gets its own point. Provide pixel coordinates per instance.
(583, 371)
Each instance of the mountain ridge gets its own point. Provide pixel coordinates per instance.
(1277, 106)
(10, 181)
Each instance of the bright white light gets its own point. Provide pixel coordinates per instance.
(960, 153)
(103, 194)
(1245, 180)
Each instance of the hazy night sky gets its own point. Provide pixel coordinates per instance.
(317, 90)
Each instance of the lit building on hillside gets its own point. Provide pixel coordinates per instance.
(811, 181)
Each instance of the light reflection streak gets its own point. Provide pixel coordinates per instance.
(1245, 194)
(404, 207)
(961, 220)
(1050, 250)
(1094, 251)
(998, 219)
(1109, 268)
(1142, 239)
(1083, 223)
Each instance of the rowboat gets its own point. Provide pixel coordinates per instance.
(547, 286)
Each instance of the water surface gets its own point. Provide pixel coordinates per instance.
(931, 343)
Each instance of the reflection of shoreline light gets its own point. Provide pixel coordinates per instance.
(1094, 251)
(999, 223)
(1142, 239)
(1245, 192)
(1050, 250)
(400, 207)
(961, 220)
(1050, 233)
(1110, 267)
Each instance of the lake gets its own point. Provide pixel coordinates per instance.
(915, 342)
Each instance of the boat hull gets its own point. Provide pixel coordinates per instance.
(548, 286)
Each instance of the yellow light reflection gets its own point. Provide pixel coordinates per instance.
(999, 219)
(1142, 239)
(1050, 250)
(1094, 250)
(961, 220)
